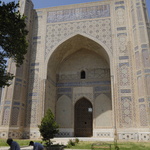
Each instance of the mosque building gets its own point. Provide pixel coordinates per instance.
(90, 64)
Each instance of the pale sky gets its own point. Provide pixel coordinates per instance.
(51, 3)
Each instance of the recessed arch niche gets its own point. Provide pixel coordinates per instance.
(75, 56)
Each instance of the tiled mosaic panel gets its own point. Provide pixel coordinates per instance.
(147, 79)
(143, 115)
(78, 13)
(122, 41)
(135, 37)
(99, 29)
(146, 57)
(128, 136)
(126, 110)
(15, 135)
(120, 15)
(144, 136)
(14, 116)
(124, 74)
(142, 34)
(140, 85)
(137, 57)
(32, 112)
(19, 71)
(9, 92)
(96, 73)
(17, 91)
(64, 134)
(104, 134)
(6, 113)
(22, 119)
(139, 13)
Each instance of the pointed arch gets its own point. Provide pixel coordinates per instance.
(104, 49)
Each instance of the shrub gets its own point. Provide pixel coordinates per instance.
(48, 127)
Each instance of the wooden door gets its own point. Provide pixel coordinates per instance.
(83, 118)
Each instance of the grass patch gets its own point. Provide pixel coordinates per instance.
(122, 145)
(87, 144)
(20, 142)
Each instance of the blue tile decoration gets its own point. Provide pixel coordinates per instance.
(144, 46)
(126, 97)
(78, 13)
(120, 2)
(16, 103)
(72, 84)
(123, 57)
(125, 91)
(141, 100)
(134, 26)
(139, 72)
(102, 88)
(7, 102)
(122, 64)
(121, 28)
(59, 90)
(38, 17)
(7, 107)
(36, 37)
(147, 70)
(37, 42)
(136, 48)
(35, 64)
(19, 80)
(37, 69)
(122, 7)
(119, 34)
(141, 23)
(33, 94)
(32, 101)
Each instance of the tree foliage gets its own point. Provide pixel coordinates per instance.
(13, 42)
(48, 127)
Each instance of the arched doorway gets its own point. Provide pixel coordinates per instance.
(83, 125)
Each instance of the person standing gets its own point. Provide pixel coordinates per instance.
(13, 145)
(36, 145)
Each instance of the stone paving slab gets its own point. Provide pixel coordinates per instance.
(22, 148)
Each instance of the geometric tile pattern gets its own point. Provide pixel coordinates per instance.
(6, 114)
(143, 115)
(100, 29)
(126, 112)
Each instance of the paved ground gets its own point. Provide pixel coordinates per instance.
(22, 148)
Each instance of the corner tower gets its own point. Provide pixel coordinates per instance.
(14, 100)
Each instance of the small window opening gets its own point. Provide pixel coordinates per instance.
(83, 74)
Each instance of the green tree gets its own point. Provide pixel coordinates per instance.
(48, 127)
(13, 42)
